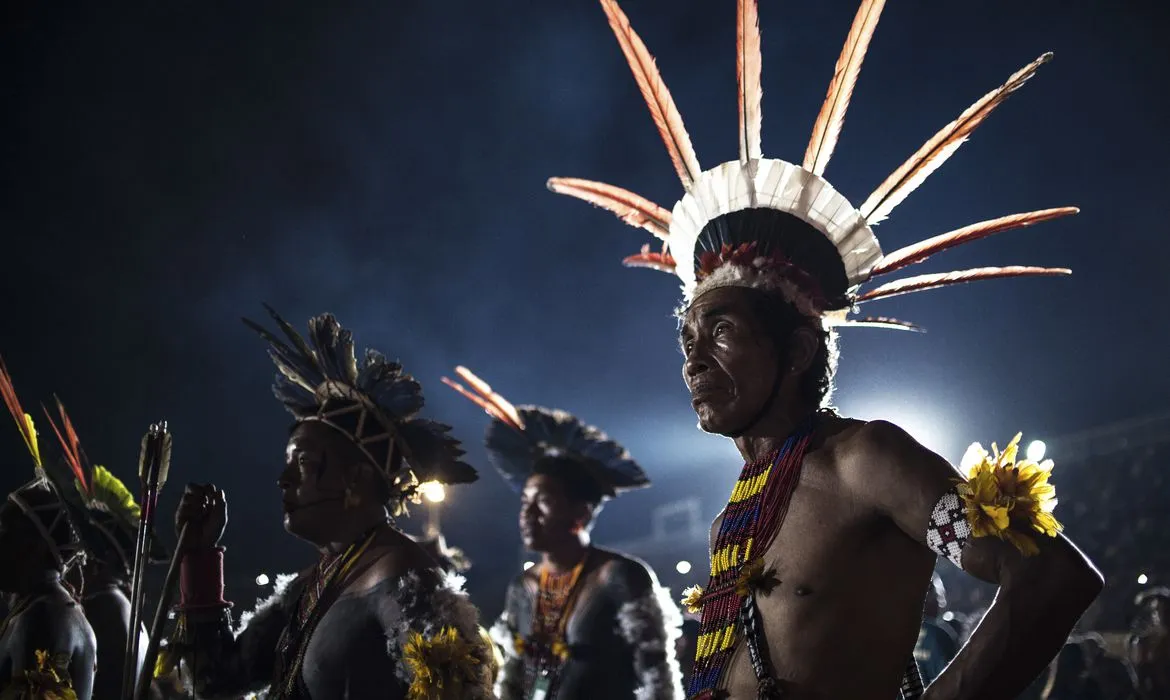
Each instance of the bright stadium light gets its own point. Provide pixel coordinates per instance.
(528, 565)
(683, 567)
(1143, 579)
(262, 580)
(433, 491)
(1036, 450)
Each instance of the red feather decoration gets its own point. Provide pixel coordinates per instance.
(8, 391)
(662, 262)
(631, 208)
(940, 147)
(831, 119)
(662, 108)
(943, 279)
(70, 446)
(936, 244)
(748, 67)
(482, 395)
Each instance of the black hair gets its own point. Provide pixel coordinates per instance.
(580, 485)
(779, 319)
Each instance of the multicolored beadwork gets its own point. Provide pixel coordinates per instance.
(754, 513)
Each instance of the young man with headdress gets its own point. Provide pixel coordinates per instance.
(374, 618)
(821, 557)
(109, 519)
(47, 648)
(586, 622)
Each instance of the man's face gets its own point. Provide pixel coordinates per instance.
(547, 515)
(730, 363)
(313, 483)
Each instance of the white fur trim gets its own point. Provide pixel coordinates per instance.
(279, 586)
(732, 275)
(769, 183)
(651, 625)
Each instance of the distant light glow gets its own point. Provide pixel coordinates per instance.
(683, 567)
(1143, 579)
(948, 616)
(433, 491)
(528, 565)
(1036, 450)
(262, 580)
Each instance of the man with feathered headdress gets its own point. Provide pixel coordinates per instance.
(586, 622)
(821, 557)
(374, 618)
(47, 648)
(108, 519)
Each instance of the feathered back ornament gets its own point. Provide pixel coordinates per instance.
(772, 225)
(519, 437)
(374, 404)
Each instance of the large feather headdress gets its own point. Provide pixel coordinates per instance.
(107, 508)
(519, 437)
(46, 518)
(815, 247)
(374, 404)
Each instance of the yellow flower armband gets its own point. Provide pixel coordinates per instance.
(1001, 497)
(444, 667)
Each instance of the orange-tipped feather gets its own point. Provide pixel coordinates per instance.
(476, 399)
(831, 119)
(507, 411)
(921, 251)
(70, 445)
(631, 208)
(662, 108)
(943, 279)
(880, 322)
(940, 147)
(23, 421)
(662, 262)
(748, 67)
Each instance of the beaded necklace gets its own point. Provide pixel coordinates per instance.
(546, 648)
(754, 513)
(294, 640)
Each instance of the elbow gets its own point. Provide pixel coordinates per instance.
(1072, 578)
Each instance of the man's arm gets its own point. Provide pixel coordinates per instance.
(509, 683)
(650, 623)
(1040, 596)
(57, 651)
(224, 664)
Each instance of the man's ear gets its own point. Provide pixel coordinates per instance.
(802, 349)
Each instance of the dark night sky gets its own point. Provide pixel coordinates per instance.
(166, 167)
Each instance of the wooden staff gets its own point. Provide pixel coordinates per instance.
(153, 464)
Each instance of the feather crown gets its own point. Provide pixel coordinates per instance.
(519, 437)
(795, 234)
(374, 404)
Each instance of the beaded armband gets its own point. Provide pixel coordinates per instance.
(201, 580)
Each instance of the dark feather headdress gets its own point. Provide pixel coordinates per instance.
(47, 518)
(107, 508)
(807, 242)
(519, 437)
(374, 404)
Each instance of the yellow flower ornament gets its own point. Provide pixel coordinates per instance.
(1000, 493)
